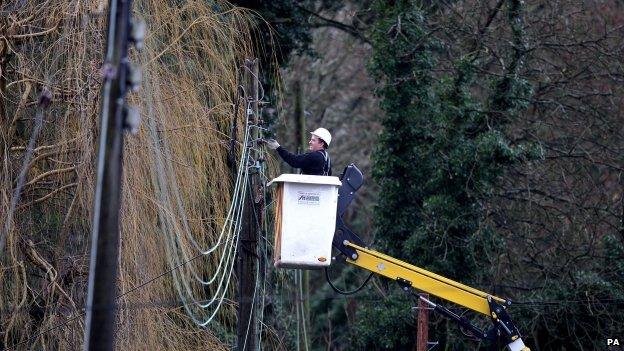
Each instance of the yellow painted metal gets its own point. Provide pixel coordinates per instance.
(424, 280)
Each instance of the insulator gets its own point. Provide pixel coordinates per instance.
(134, 77)
(132, 119)
(137, 32)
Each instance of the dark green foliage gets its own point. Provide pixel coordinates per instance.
(582, 308)
(385, 325)
(288, 29)
(291, 34)
(439, 156)
(614, 259)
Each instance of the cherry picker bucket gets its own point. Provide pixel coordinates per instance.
(305, 220)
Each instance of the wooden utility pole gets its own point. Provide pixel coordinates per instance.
(422, 335)
(301, 142)
(248, 243)
(118, 78)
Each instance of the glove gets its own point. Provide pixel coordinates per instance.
(272, 143)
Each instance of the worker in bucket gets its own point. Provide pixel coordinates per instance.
(314, 162)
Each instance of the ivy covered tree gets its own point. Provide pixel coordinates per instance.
(440, 153)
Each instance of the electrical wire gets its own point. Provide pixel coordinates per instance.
(183, 214)
(253, 304)
(302, 308)
(265, 245)
(182, 286)
(231, 262)
(175, 247)
(257, 80)
(178, 303)
(297, 308)
(346, 292)
(258, 313)
(172, 224)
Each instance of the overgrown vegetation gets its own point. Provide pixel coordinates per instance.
(191, 66)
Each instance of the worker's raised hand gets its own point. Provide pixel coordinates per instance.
(272, 143)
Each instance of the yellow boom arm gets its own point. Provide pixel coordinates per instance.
(423, 280)
(410, 276)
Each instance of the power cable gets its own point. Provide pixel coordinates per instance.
(175, 244)
(178, 303)
(237, 205)
(613, 301)
(185, 220)
(253, 304)
(302, 308)
(346, 292)
(265, 245)
(230, 259)
(258, 80)
(44, 332)
(297, 308)
(524, 304)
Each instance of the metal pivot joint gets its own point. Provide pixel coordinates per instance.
(405, 284)
(503, 324)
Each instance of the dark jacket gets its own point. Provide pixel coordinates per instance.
(312, 163)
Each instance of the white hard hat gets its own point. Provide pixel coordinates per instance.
(323, 134)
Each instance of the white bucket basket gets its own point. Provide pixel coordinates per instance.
(305, 220)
